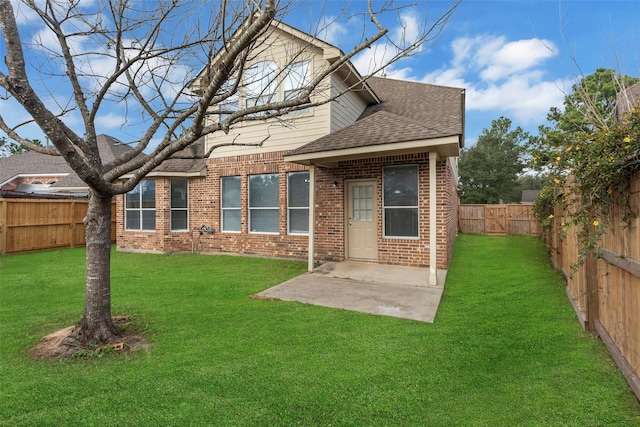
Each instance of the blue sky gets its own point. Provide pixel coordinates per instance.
(519, 58)
(514, 58)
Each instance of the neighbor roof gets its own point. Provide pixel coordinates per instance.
(408, 111)
(529, 196)
(627, 99)
(33, 163)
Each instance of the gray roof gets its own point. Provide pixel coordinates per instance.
(529, 196)
(190, 160)
(408, 111)
(31, 163)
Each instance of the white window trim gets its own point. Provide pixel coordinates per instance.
(384, 207)
(249, 208)
(301, 84)
(172, 209)
(289, 208)
(222, 208)
(256, 89)
(232, 103)
(275, 90)
(140, 209)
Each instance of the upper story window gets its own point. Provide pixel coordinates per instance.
(230, 104)
(261, 84)
(400, 201)
(296, 77)
(264, 83)
(140, 206)
(179, 205)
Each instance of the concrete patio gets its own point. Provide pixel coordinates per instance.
(383, 290)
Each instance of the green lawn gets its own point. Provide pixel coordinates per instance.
(505, 350)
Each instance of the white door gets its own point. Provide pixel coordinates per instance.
(362, 223)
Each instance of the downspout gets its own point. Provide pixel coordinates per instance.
(312, 215)
(433, 249)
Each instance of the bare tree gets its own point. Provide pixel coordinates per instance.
(121, 52)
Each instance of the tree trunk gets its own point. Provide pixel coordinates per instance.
(96, 325)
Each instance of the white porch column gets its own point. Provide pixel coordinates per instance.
(433, 249)
(312, 215)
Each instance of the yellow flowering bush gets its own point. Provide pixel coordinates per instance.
(590, 172)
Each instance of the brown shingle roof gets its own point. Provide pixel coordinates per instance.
(409, 111)
(187, 161)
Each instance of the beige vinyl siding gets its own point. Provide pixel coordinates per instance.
(296, 132)
(346, 109)
(297, 129)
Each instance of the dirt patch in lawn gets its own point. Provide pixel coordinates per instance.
(62, 343)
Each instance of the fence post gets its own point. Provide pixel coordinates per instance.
(72, 223)
(3, 226)
(593, 300)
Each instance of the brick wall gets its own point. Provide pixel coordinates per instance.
(204, 209)
(330, 203)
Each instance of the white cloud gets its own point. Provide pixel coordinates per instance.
(517, 56)
(24, 14)
(408, 31)
(331, 31)
(505, 76)
(110, 120)
(369, 60)
(525, 97)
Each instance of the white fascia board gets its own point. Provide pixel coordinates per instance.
(416, 146)
(33, 175)
(170, 174)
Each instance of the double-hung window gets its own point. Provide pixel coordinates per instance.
(400, 201)
(230, 104)
(140, 206)
(296, 77)
(179, 205)
(261, 84)
(298, 202)
(263, 203)
(230, 203)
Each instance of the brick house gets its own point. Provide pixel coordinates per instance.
(371, 176)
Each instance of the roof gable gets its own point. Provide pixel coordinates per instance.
(279, 31)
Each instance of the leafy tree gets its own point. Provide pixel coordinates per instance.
(592, 102)
(489, 170)
(589, 107)
(589, 157)
(143, 60)
(9, 148)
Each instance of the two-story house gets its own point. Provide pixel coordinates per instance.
(370, 176)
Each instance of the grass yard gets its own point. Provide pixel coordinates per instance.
(505, 350)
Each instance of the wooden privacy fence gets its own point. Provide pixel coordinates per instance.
(605, 289)
(498, 220)
(34, 224)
